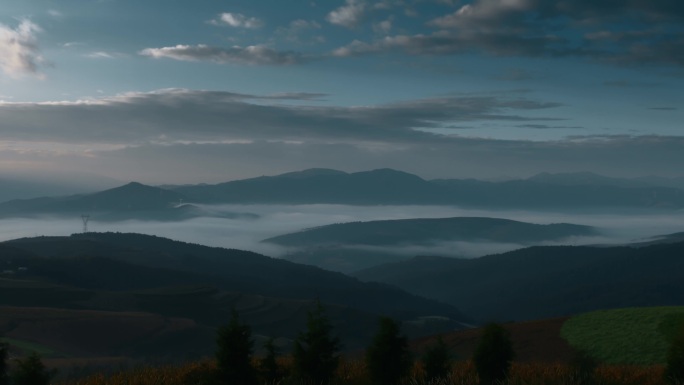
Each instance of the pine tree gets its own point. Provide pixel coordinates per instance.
(31, 371)
(674, 371)
(234, 353)
(493, 354)
(388, 358)
(316, 350)
(270, 370)
(437, 361)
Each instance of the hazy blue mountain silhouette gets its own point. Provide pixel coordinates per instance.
(431, 230)
(131, 201)
(387, 186)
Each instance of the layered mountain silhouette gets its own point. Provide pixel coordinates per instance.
(131, 201)
(376, 187)
(348, 247)
(387, 186)
(146, 262)
(431, 230)
(544, 281)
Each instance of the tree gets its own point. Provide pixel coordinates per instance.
(674, 370)
(31, 371)
(4, 354)
(316, 350)
(270, 370)
(493, 355)
(234, 353)
(388, 358)
(437, 361)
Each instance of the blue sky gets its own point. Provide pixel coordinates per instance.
(204, 91)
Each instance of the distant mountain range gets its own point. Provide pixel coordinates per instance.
(376, 187)
(131, 201)
(348, 247)
(541, 282)
(388, 187)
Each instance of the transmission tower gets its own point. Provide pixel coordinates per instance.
(85, 219)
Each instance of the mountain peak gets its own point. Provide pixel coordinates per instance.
(388, 173)
(311, 172)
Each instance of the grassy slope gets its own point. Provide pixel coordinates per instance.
(624, 336)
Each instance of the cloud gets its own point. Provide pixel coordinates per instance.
(445, 158)
(447, 44)
(384, 26)
(183, 136)
(103, 55)
(237, 20)
(185, 115)
(349, 15)
(19, 53)
(298, 27)
(619, 33)
(250, 55)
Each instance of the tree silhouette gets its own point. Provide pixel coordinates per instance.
(493, 355)
(437, 361)
(270, 370)
(4, 353)
(388, 358)
(234, 353)
(316, 350)
(674, 370)
(31, 371)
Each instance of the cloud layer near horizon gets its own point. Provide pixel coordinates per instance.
(183, 136)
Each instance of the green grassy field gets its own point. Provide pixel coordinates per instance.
(625, 336)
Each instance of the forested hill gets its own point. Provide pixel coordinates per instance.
(240, 271)
(541, 282)
(430, 230)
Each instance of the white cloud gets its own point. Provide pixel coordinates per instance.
(384, 26)
(237, 20)
(103, 55)
(251, 55)
(297, 28)
(19, 53)
(348, 15)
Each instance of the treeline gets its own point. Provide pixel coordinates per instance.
(316, 360)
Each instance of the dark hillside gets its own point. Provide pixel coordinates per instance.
(542, 282)
(425, 231)
(241, 271)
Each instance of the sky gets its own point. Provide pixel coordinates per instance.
(191, 91)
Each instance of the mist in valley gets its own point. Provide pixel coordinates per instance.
(273, 220)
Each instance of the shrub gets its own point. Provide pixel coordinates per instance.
(583, 368)
(437, 361)
(388, 358)
(316, 350)
(493, 355)
(234, 353)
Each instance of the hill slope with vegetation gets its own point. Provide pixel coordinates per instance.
(543, 282)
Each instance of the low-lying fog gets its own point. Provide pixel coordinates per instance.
(281, 219)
